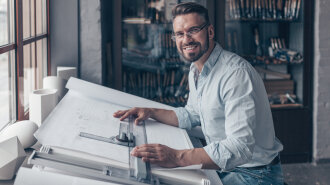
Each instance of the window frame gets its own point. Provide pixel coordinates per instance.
(18, 45)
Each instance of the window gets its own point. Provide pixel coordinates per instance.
(24, 57)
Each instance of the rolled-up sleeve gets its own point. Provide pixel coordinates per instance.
(240, 120)
(188, 116)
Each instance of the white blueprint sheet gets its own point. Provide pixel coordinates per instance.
(174, 137)
(89, 108)
(76, 114)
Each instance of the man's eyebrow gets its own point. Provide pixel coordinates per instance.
(193, 27)
(178, 32)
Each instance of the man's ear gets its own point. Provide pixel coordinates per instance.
(211, 32)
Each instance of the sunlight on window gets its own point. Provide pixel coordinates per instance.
(7, 93)
(34, 68)
(6, 22)
(3, 22)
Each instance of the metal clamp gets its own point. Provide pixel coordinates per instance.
(120, 139)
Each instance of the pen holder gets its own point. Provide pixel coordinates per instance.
(42, 103)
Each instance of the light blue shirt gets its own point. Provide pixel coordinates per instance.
(231, 105)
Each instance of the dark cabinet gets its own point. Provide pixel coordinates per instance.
(294, 129)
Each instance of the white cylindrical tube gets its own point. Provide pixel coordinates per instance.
(54, 82)
(42, 102)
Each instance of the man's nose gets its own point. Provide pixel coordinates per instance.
(186, 38)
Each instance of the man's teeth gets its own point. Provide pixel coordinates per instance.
(190, 48)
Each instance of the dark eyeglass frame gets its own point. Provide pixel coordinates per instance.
(191, 32)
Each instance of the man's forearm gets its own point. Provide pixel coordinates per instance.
(184, 157)
(165, 116)
(167, 157)
(195, 156)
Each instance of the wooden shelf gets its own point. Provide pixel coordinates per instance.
(293, 105)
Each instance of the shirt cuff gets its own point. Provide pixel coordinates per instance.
(183, 118)
(218, 154)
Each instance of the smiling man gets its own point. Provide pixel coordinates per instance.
(227, 99)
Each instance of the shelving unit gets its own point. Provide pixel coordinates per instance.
(270, 43)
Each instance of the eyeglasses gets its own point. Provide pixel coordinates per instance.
(190, 33)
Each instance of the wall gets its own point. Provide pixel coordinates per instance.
(91, 60)
(64, 34)
(75, 35)
(321, 106)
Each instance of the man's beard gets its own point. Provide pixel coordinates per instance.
(193, 57)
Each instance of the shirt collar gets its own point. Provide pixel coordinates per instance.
(210, 62)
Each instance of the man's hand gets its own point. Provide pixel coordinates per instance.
(161, 115)
(141, 114)
(161, 155)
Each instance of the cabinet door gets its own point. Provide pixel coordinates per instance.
(270, 35)
(293, 128)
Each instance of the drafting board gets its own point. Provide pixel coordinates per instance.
(89, 108)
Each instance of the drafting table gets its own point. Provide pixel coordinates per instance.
(88, 108)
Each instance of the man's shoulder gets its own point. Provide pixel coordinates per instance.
(233, 61)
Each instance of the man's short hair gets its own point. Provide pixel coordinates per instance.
(190, 7)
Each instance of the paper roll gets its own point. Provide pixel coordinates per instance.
(42, 103)
(54, 82)
(66, 72)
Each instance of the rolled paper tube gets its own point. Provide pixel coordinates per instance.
(54, 82)
(42, 103)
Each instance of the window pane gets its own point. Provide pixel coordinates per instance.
(28, 19)
(29, 72)
(41, 16)
(7, 88)
(41, 61)
(6, 22)
(35, 65)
